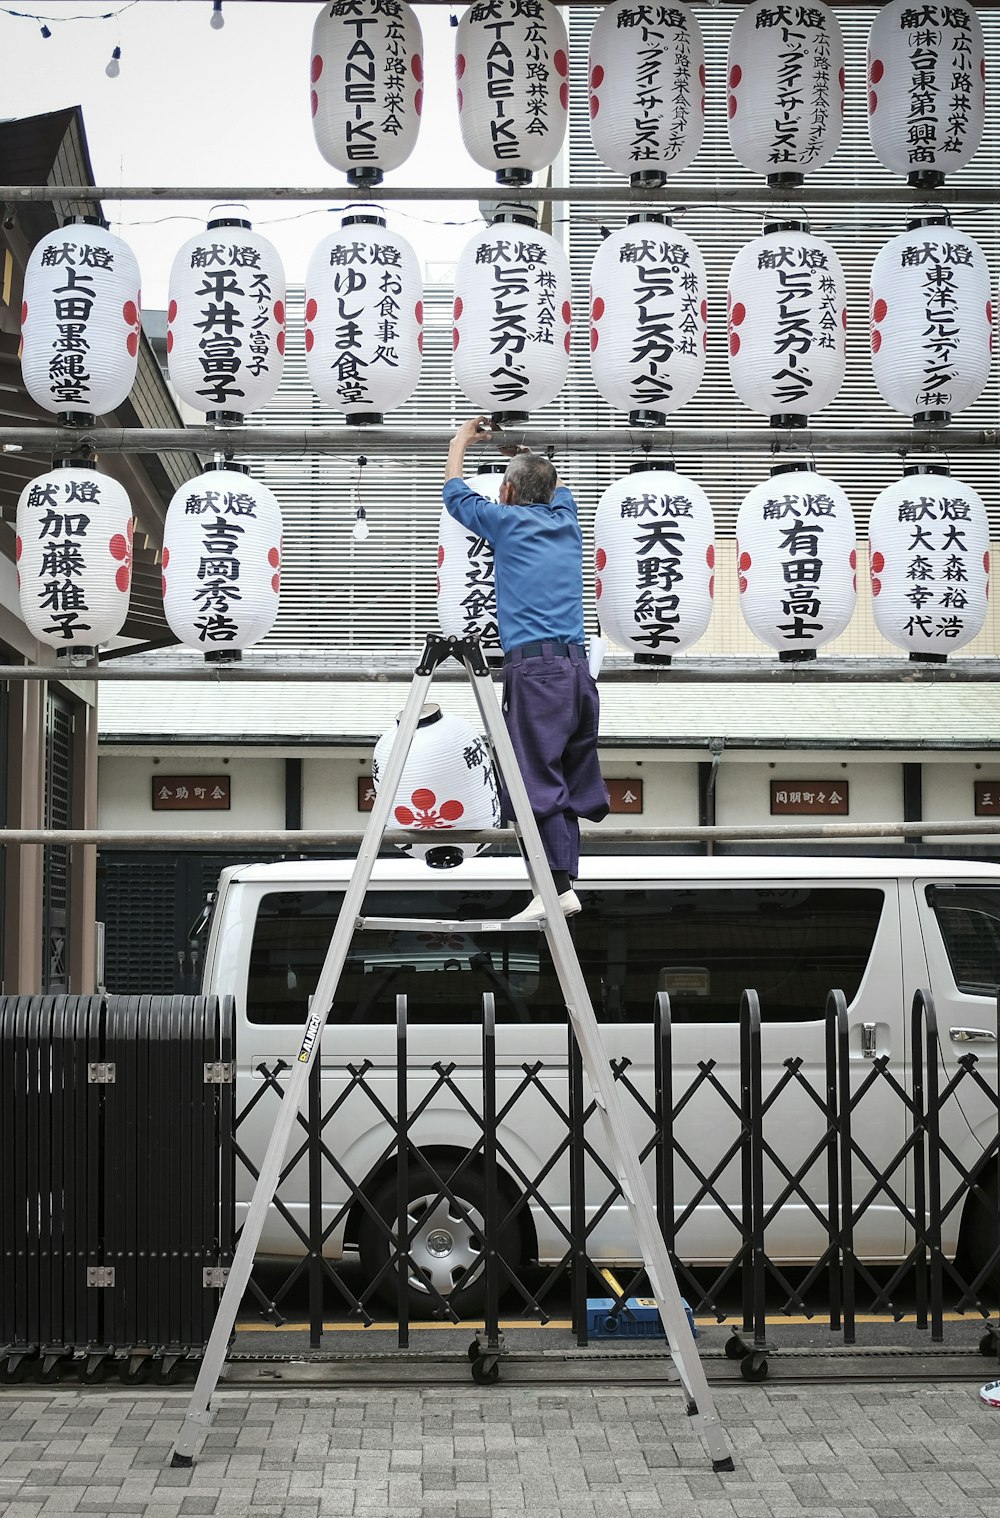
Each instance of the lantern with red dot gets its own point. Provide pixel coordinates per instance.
(655, 563)
(647, 89)
(80, 321)
(931, 320)
(926, 88)
(648, 315)
(364, 319)
(367, 86)
(74, 557)
(787, 314)
(226, 319)
(222, 562)
(797, 561)
(466, 593)
(448, 782)
(512, 69)
(929, 545)
(512, 318)
(786, 89)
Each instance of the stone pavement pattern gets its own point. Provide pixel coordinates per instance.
(448, 1452)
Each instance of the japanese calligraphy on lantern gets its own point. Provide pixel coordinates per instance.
(80, 320)
(655, 562)
(367, 85)
(191, 793)
(810, 798)
(512, 69)
(466, 592)
(364, 319)
(787, 323)
(647, 88)
(649, 317)
(929, 562)
(448, 780)
(226, 320)
(797, 561)
(786, 88)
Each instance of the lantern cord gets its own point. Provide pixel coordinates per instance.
(45, 22)
(360, 529)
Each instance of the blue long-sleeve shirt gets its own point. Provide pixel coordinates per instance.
(537, 559)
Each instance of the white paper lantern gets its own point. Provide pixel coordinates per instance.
(649, 319)
(222, 562)
(364, 319)
(654, 534)
(797, 561)
(786, 89)
(226, 320)
(647, 89)
(512, 319)
(787, 313)
(466, 592)
(931, 321)
(367, 86)
(80, 320)
(512, 68)
(448, 782)
(929, 545)
(926, 88)
(74, 557)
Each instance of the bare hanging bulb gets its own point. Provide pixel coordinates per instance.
(218, 20)
(45, 32)
(113, 68)
(360, 528)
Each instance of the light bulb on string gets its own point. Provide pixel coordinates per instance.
(46, 33)
(360, 529)
(218, 20)
(113, 68)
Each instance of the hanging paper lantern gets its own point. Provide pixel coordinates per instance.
(364, 319)
(929, 543)
(786, 89)
(647, 89)
(448, 782)
(649, 318)
(797, 558)
(655, 559)
(512, 67)
(226, 320)
(466, 593)
(931, 320)
(787, 317)
(367, 86)
(512, 319)
(926, 88)
(222, 562)
(74, 557)
(80, 321)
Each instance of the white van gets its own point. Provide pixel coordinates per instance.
(704, 930)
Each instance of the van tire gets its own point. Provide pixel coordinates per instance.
(443, 1242)
(979, 1238)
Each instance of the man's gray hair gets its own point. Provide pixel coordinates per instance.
(532, 478)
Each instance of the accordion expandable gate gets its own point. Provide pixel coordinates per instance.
(115, 1189)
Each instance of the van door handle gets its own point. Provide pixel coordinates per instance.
(972, 1035)
(868, 1049)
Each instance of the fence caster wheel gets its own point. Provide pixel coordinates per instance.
(753, 1367)
(92, 1370)
(13, 1369)
(989, 1344)
(133, 1370)
(170, 1370)
(474, 1350)
(485, 1370)
(48, 1368)
(735, 1348)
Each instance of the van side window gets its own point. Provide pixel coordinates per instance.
(969, 919)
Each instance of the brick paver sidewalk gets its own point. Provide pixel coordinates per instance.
(443, 1452)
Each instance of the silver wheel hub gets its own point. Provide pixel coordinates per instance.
(445, 1244)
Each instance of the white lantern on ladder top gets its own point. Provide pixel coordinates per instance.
(74, 557)
(931, 320)
(364, 317)
(929, 560)
(787, 316)
(226, 319)
(654, 536)
(786, 88)
(222, 562)
(512, 313)
(647, 89)
(926, 88)
(80, 318)
(512, 72)
(448, 783)
(367, 86)
(797, 561)
(648, 319)
(466, 592)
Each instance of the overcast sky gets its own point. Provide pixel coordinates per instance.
(194, 106)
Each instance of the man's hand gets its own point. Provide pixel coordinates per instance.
(478, 429)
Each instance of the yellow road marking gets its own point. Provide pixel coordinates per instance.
(564, 1323)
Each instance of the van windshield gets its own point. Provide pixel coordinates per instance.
(969, 919)
(703, 945)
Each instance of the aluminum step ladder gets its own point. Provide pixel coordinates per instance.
(625, 1159)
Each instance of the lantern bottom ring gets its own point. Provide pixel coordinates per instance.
(795, 655)
(645, 658)
(931, 418)
(792, 419)
(925, 179)
(648, 179)
(509, 418)
(225, 418)
(366, 174)
(514, 176)
(223, 656)
(645, 418)
(786, 180)
(923, 656)
(75, 419)
(363, 418)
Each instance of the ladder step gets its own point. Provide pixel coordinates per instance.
(446, 925)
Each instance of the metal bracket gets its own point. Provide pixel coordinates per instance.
(100, 1275)
(219, 1074)
(215, 1276)
(101, 1073)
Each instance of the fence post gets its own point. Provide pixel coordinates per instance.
(402, 1180)
(577, 1190)
(314, 1121)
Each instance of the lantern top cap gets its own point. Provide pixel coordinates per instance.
(804, 466)
(652, 466)
(88, 220)
(363, 218)
(429, 714)
(657, 216)
(924, 468)
(524, 216)
(228, 464)
(784, 224)
(228, 215)
(74, 463)
(933, 218)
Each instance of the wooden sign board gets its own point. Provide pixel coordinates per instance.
(625, 795)
(987, 794)
(191, 793)
(366, 793)
(809, 798)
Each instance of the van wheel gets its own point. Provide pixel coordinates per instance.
(445, 1244)
(979, 1238)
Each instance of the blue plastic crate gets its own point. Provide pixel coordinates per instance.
(644, 1323)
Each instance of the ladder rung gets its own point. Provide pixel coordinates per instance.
(447, 925)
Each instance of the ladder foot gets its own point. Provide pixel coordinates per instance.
(692, 1409)
(179, 1461)
(724, 1465)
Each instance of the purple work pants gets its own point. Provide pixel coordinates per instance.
(551, 708)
